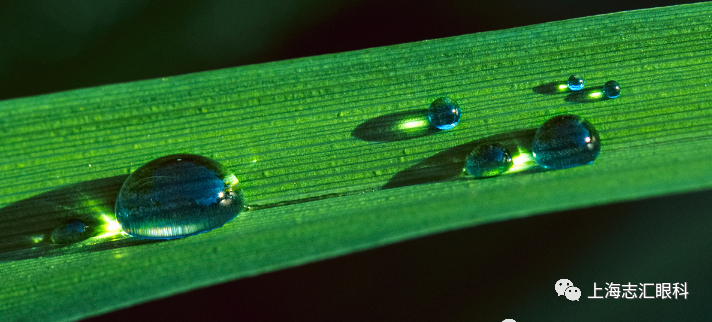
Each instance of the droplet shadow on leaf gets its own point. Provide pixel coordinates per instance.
(26, 226)
(552, 88)
(395, 127)
(449, 164)
(586, 95)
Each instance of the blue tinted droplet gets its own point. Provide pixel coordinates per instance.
(178, 196)
(488, 160)
(444, 113)
(611, 89)
(565, 141)
(575, 82)
(71, 232)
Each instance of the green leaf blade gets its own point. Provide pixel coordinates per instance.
(286, 129)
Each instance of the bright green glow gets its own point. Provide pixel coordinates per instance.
(110, 227)
(410, 124)
(595, 95)
(523, 161)
(111, 223)
(37, 239)
(563, 87)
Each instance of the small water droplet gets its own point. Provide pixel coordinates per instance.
(575, 82)
(178, 196)
(71, 232)
(488, 160)
(444, 113)
(611, 89)
(565, 141)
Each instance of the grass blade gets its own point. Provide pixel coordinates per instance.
(320, 186)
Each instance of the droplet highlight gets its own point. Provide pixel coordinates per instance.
(71, 232)
(488, 160)
(575, 82)
(178, 196)
(565, 141)
(444, 113)
(611, 89)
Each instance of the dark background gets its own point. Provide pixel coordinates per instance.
(486, 273)
(48, 46)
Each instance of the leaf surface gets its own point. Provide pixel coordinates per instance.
(333, 155)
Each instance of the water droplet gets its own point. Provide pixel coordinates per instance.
(444, 113)
(565, 141)
(71, 232)
(611, 89)
(575, 82)
(488, 160)
(178, 196)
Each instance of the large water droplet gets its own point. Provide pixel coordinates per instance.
(488, 160)
(178, 196)
(71, 232)
(565, 141)
(575, 82)
(444, 113)
(611, 89)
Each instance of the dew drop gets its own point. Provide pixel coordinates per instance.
(444, 113)
(575, 82)
(71, 232)
(565, 141)
(178, 196)
(488, 160)
(611, 89)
